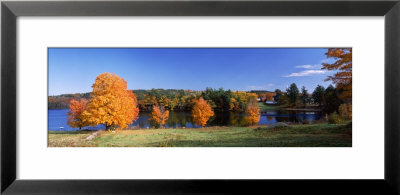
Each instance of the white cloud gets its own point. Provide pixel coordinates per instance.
(306, 73)
(308, 66)
(317, 66)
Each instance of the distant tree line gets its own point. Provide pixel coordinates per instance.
(63, 101)
(172, 99)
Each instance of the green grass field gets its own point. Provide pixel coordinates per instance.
(314, 135)
(264, 107)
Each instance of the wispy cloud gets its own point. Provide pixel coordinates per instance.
(306, 73)
(311, 70)
(308, 66)
(316, 66)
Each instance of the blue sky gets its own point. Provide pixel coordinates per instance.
(74, 70)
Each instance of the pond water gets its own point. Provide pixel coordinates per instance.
(58, 119)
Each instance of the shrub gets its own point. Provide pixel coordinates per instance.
(252, 112)
(334, 118)
(159, 116)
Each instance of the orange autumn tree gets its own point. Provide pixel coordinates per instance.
(343, 64)
(201, 112)
(75, 117)
(159, 115)
(269, 96)
(111, 103)
(252, 112)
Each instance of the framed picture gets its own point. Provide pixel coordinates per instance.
(199, 97)
(255, 109)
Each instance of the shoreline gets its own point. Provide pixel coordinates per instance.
(192, 128)
(303, 109)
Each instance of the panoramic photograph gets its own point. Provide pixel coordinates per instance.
(199, 97)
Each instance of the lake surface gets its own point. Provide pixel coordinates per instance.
(58, 119)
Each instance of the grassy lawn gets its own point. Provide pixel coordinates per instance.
(314, 135)
(265, 107)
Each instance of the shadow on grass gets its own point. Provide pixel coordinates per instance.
(279, 141)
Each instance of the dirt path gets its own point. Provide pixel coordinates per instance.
(92, 136)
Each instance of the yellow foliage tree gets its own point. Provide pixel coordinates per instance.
(252, 97)
(111, 103)
(241, 96)
(252, 112)
(240, 100)
(345, 111)
(173, 103)
(164, 101)
(201, 112)
(159, 115)
(234, 105)
(75, 117)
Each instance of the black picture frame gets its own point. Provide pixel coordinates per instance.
(11, 10)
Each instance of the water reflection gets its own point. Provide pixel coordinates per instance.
(58, 119)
